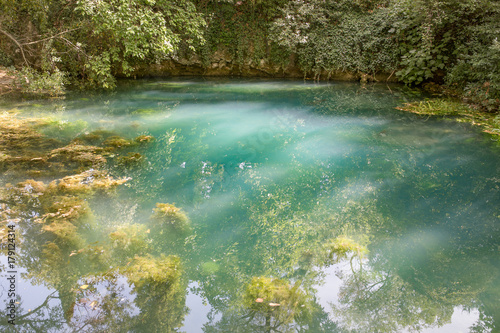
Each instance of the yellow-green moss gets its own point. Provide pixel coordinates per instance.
(144, 139)
(69, 208)
(167, 215)
(129, 240)
(462, 112)
(65, 232)
(151, 270)
(130, 160)
(116, 142)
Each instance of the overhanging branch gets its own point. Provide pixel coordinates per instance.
(17, 43)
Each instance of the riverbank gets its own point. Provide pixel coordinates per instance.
(6, 82)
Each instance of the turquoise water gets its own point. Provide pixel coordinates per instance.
(311, 207)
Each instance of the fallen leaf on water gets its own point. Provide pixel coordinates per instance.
(85, 286)
(93, 304)
(259, 300)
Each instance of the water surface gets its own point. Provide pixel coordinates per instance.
(312, 208)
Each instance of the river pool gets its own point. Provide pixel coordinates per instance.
(251, 206)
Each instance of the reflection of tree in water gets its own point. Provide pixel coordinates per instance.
(432, 242)
(87, 270)
(436, 251)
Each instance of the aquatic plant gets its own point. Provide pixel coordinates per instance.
(67, 207)
(21, 146)
(144, 138)
(62, 129)
(92, 138)
(86, 182)
(117, 142)
(129, 240)
(164, 270)
(65, 232)
(489, 122)
(130, 160)
(169, 216)
(160, 292)
(144, 111)
(97, 136)
(78, 155)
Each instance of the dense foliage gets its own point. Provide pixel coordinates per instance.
(89, 42)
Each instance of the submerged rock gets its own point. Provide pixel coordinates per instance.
(171, 217)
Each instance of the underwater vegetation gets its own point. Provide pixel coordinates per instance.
(116, 142)
(56, 213)
(26, 148)
(152, 271)
(130, 160)
(128, 241)
(144, 138)
(168, 217)
(489, 122)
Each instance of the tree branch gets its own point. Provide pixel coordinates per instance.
(51, 37)
(17, 43)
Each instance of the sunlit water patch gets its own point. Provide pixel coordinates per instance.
(251, 206)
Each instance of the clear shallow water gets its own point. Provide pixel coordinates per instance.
(271, 175)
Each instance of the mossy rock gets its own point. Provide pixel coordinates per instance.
(168, 216)
(164, 270)
(117, 142)
(65, 232)
(130, 240)
(130, 160)
(144, 139)
(78, 155)
(71, 208)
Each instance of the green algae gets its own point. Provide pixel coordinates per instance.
(62, 129)
(130, 160)
(129, 240)
(150, 270)
(66, 233)
(117, 142)
(461, 112)
(144, 139)
(170, 217)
